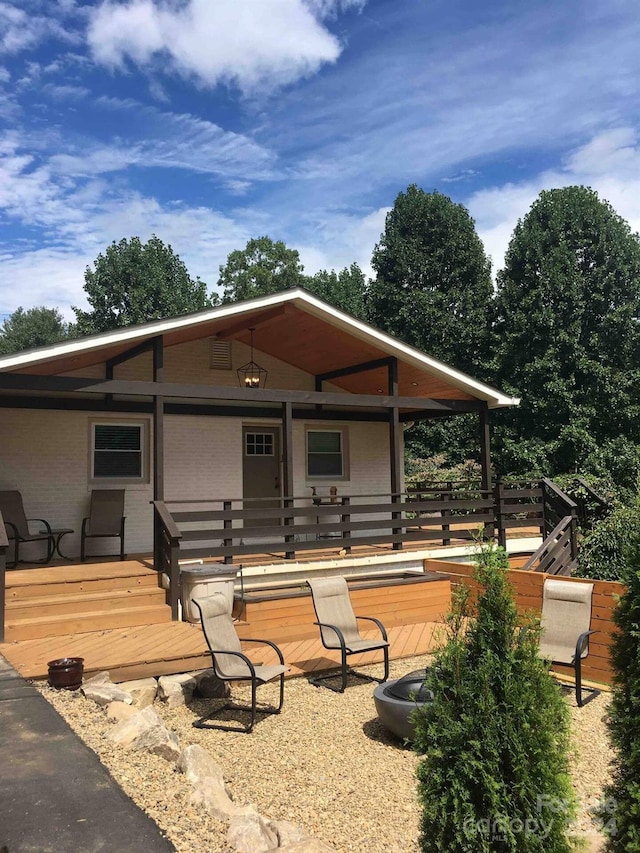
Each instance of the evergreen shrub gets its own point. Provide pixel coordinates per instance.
(621, 807)
(494, 776)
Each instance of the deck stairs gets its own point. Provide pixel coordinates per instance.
(62, 600)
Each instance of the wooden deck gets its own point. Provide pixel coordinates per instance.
(175, 647)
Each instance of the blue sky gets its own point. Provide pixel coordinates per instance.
(209, 122)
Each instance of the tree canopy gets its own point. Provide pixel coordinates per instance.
(344, 290)
(262, 267)
(433, 285)
(134, 282)
(35, 327)
(567, 336)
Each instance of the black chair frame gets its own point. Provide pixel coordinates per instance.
(84, 536)
(48, 536)
(230, 706)
(318, 680)
(581, 645)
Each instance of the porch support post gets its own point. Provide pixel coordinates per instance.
(158, 422)
(485, 462)
(287, 467)
(158, 460)
(485, 452)
(395, 449)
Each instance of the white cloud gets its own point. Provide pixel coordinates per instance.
(253, 44)
(20, 30)
(609, 163)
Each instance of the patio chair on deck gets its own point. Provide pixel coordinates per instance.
(17, 526)
(229, 662)
(339, 628)
(566, 617)
(106, 518)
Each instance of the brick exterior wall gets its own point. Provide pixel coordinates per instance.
(45, 454)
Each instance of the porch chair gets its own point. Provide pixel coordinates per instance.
(17, 526)
(339, 629)
(566, 617)
(105, 520)
(230, 664)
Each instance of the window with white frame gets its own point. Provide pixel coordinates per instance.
(326, 453)
(118, 451)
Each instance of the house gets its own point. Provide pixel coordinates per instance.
(162, 410)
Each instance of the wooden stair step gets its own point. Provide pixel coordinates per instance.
(55, 626)
(61, 604)
(39, 589)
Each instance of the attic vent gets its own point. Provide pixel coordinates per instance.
(220, 355)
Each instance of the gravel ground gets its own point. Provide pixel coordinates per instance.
(324, 763)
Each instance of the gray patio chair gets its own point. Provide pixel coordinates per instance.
(105, 520)
(566, 619)
(230, 664)
(17, 526)
(339, 629)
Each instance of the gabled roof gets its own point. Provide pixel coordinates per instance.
(293, 326)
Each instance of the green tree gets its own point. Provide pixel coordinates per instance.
(261, 268)
(433, 289)
(344, 290)
(134, 282)
(621, 808)
(494, 777)
(567, 336)
(35, 327)
(433, 285)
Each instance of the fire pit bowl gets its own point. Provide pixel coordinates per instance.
(395, 700)
(66, 673)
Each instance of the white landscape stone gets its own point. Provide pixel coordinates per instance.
(251, 834)
(146, 731)
(143, 691)
(101, 677)
(103, 693)
(197, 765)
(288, 832)
(215, 799)
(118, 711)
(176, 690)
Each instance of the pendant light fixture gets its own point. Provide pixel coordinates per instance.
(251, 375)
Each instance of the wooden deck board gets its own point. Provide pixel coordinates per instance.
(175, 646)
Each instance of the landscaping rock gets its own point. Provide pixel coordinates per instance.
(209, 686)
(251, 834)
(102, 677)
(158, 740)
(214, 797)
(105, 692)
(146, 731)
(197, 765)
(176, 690)
(288, 832)
(118, 711)
(143, 691)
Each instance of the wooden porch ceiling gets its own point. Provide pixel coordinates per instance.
(294, 336)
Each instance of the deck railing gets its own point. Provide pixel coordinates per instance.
(4, 547)
(433, 513)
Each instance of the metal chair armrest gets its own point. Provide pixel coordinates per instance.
(378, 623)
(266, 643)
(43, 522)
(583, 642)
(84, 526)
(335, 628)
(15, 534)
(252, 668)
